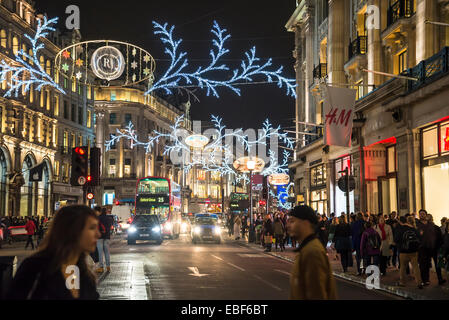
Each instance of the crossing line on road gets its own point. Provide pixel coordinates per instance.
(283, 272)
(217, 257)
(267, 283)
(237, 267)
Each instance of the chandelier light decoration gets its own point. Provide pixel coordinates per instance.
(177, 78)
(216, 156)
(26, 71)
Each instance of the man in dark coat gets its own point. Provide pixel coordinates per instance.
(428, 239)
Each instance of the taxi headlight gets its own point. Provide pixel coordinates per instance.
(217, 230)
(197, 230)
(132, 229)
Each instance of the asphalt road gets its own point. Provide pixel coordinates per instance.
(180, 270)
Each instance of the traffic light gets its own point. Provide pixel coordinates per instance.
(95, 167)
(80, 166)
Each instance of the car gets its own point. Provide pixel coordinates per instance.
(206, 228)
(145, 227)
(186, 226)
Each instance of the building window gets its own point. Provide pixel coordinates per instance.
(127, 170)
(73, 84)
(42, 93)
(48, 68)
(66, 110)
(430, 142)
(42, 62)
(113, 118)
(80, 141)
(73, 140)
(112, 168)
(391, 160)
(318, 176)
(128, 118)
(89, 92)
(48, 96)
(201, 175)
(402, 62)
(444, 134)
(66, 142)
(57, 106)
(56, 73)
(3, 38)
(360, 93)
(113, 145)
(30, 53)
(319, 201)
(89, 119)
(320, 113)
(66, 83)
(113, 95)
(73, 113)
(24, 51)
(15, 45)
(56, 170)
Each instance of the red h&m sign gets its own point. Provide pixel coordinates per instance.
(339, 115)
(446, 140)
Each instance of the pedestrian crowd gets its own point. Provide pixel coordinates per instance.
(406, 243)
(34, 226)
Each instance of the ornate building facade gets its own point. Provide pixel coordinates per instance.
(400, 142)
(39, 127)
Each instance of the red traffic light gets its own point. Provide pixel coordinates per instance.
(80, 151)
(262, 203)
(90, 196)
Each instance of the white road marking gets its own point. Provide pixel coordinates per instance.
(268, 283)
(196, 272)
(217, 257)
(252, 255)
(283, 272)
(237, 267)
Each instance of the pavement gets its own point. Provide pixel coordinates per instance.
(387, 282)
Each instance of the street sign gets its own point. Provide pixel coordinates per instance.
(82, 181)
(342, 183)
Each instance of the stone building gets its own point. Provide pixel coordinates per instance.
(116, 108)
(400, 143)
(39, 127)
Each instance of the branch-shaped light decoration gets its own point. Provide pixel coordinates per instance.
(23, 74)
(215, 156)
(176, 77)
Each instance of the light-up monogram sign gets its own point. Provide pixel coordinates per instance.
(108, 63)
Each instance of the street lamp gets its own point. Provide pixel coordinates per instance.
(251, 165)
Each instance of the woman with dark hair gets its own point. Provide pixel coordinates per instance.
(342, 241)
(59, 270)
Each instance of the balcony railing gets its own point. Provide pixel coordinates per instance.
(358, 46)
(429, 70)
(399, 10)
(316, 134)
(320, 71)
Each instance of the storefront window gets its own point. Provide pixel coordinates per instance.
(436, 186)
(319, 201)
(112, 168)
(430, 142)
(391, 159)
(318, 176)
(127, 167)
(201, 175)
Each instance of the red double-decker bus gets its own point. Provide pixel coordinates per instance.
(162, 197)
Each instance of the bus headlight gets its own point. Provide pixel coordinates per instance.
(156, 229)
(132, 230)
(217, 230)
(197, 230)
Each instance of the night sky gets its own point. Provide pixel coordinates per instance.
(259, 23)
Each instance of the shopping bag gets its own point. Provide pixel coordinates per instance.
(268, 239)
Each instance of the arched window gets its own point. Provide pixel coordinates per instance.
(30, 53)
(42, 62)
(48, 68)
(15, 45)
(3, 38)
(24, 50)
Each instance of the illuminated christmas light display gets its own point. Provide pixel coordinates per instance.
(282, 196)
(26, 71)
(176, 78)
(216, 156)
